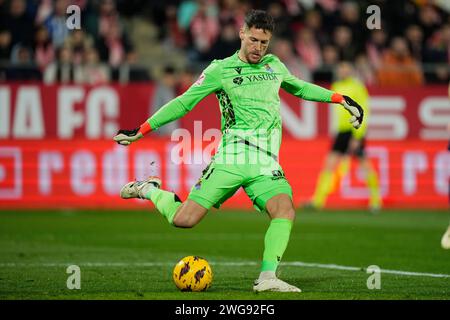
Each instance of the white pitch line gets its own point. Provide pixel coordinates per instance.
(228, 264)
(338, 267)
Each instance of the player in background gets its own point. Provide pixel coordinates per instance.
(348, 142)
(247, 86)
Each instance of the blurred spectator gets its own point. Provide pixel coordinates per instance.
(3, 8)
(281, 19)
(62, 70)
(171, 33)
(18, 23)
(375, 47)
(439, 74)
(227, 44)
(44, 10)
(313, 21)
(5, 45)
(132, 57)
(308, 49)
(444, 5)
(364, 70)
(44, 53)
(186, 13)
(164, 92)
(114, 46)
(398, 68)
(398, 15)
(92, 71)
(99, 23)
(330, 57)
(343, 40)
(283, 49)
(204, 28)
(293, 7)
(79, 42)
(429, 20)
(185, 80)
(414, 36)
(445, 38)
(438, 49)
(329, 10)
(233, 11)
(22, 67)
(21, 55)
(437, 56)
(350, 17)
(56, 23)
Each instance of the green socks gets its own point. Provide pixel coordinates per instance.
(275, 243)
(341, 171)
(374, 189)
(166, 202)
(329, 182)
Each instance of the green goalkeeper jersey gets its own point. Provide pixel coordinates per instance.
(248, 96)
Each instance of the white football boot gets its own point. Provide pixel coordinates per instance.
(445, 241)
(138, 189)
(275, 285)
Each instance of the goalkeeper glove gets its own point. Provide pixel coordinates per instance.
(355, 110)
(126, 137)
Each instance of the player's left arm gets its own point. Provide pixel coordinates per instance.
(312, 92)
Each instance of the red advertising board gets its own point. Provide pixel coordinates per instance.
(75, 111)
(56, 148)
(88, 174)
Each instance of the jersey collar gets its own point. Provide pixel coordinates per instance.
(250, 64)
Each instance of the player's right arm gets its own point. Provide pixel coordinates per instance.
(208, 82)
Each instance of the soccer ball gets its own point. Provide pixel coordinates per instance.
(192, 273)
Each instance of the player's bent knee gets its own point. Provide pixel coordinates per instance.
(284, 211)
(281, 206)
(182, 223)
(284, 214)
(287, 213)
(183, 220)
(189, 215)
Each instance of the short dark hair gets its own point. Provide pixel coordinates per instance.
(259, 19)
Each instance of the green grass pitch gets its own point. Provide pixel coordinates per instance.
(131, 254)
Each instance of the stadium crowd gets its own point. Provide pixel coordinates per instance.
(36, 43)
(412, 46)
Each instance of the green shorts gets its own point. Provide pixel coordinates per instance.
(260, 179)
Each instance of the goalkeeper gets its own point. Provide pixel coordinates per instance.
(347, 142)
(247, 86)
